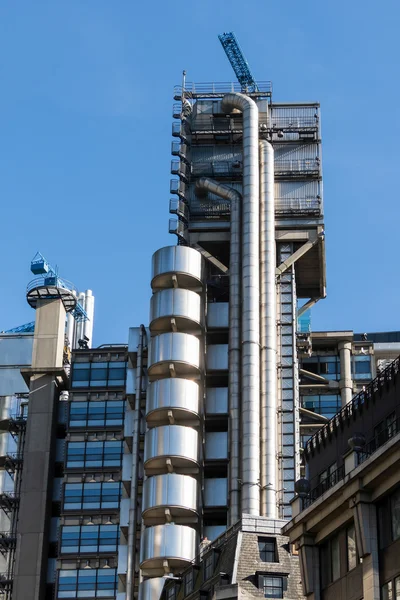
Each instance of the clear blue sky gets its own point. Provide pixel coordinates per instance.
(86, 130)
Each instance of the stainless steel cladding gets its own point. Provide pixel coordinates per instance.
(218, 315)
(250, 303)
(216, 491)
(176, 544)
(216, 401)
(177, 266)
(217, 357)
(176, 310)
(174, 398)
(151, 588)
(174, 354)
(174, 493)
(268, 476)
(169, 447)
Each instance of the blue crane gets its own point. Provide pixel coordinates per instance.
(238, 62)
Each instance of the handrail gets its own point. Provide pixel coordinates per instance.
(331, 480)
(367, 394)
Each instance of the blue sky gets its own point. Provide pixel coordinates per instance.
(86, 130)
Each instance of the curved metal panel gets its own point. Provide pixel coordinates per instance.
(177, 493)
(179, 396)
(151, 589)
(174, 442)
(181, 350)
(175, 543)
(183, 306)
(183, 262)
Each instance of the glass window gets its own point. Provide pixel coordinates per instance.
(99, 374)
(188, 582)
(395, 514)
(351, 548)
(335, 558)
(208, 566)
(273, 587)
(361, 367)
(96, 414)
(267, 549)
(87, 583)
(94, 454)
(387, 591)
(89, 539)
(397, 588)
(171, 593)
(86, 496)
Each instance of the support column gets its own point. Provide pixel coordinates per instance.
(365, 523)
(46, 379)
(346, 382)
(309, 567)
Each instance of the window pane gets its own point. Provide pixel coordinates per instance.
(395, 515)
(335, 558)
(351, 548)
(273, 587)
(387, 591)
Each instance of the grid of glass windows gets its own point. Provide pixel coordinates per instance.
(327, 366)
(272, 587)
(109, 413)
(267, 549)
(94, 454)
(99, 374)
(87, 583)
(89, 538)
(327, 405)
(88, 496)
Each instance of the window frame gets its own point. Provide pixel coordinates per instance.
(273, 577)
(208, 565)
(264, 553)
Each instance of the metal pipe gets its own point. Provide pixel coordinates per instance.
(235, 198)
(89, 308)
(346, 382)
(268, 331)
(130, 573)
(250, 303)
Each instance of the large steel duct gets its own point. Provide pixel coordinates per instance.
(268, 332)
(250, 303)
(235, 199)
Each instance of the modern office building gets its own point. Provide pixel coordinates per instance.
(168, 465)
(346, 515)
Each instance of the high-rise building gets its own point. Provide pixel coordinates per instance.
(168, 465)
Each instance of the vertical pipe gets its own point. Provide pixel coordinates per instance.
(130, 572)
(70, 329)
(235, 198)
(250, 441)
(346, 382)
(79, 324)
(89, 308)
(268, 333)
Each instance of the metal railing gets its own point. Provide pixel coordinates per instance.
(309, 206)
(293, 123)
(322, 486)
(368, 394)
(379, 440)
(219, 89)
(307, 166)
